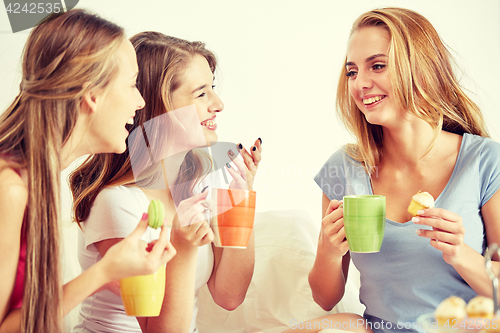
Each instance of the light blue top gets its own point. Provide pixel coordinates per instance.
(408, 277)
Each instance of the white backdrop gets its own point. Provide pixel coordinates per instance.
(279, 63)
(278, 66)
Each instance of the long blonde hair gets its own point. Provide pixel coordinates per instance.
(421, 72)
(65, 56)
(161, 59)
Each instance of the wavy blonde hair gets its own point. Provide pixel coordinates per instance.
(421, 72)
(162, 60)
(65, 56)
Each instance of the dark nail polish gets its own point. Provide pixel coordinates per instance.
(231, 153)
(228, 165)
(240, 146)
(260, 140)
(204, 189)
(254, 148)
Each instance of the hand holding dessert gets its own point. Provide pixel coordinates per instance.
(129, 257)
(420, 201)
(447, 233)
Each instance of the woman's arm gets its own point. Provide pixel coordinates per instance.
(177, 308)
(447, 236)
(128, 257)
(86, 284)
(233, 271)
(329, 273)
(233, 268)
(13, 199)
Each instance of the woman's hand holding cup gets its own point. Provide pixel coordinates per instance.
(190, 225)
(332, 239)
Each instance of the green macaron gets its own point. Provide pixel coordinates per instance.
(156, 214)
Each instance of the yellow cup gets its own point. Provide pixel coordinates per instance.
(142, 295)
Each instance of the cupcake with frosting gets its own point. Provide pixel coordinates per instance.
(480, 307)
(419, 201)
(450, 311)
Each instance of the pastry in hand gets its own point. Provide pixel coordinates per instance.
(451, 311)
(480, 307)
(156, 214)
(421, 200)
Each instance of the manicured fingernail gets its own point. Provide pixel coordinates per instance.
(204, 189)
(420, 212)
(341, 206)
(254, 148)
(228, 165)
(144, 217)
(260, 140)
(230, 152)
(415, 219)
(418, 232)
(240, 146)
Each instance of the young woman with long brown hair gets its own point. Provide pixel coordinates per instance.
(174, 75)
(416, 129)
(76, 95)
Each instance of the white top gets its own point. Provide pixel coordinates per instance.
(115, 214)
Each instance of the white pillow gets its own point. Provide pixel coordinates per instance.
(279, 294)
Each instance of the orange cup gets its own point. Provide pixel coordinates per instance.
(233, 213)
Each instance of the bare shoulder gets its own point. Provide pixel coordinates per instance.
(13, 190)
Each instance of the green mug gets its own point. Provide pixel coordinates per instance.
(364, 222)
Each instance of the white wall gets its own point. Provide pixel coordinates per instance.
(279, 64)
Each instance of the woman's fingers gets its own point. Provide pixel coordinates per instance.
(334, 215)
(204, 234)
(447, 233)
(140, 229)
(334, 204)
(185, 204)
(240, 168)
(247, 158)
(441, 236)
(255, 150)
(162, 248)
(191, 210)
(453, 226)
(439, 213)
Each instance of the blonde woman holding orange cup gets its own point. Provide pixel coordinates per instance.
(175, 75)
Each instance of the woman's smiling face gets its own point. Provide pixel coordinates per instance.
(117, 104)
(369, 81)
(197, 88)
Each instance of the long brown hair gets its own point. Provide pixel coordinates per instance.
(65, 56)
(161, 59)
(421, 72)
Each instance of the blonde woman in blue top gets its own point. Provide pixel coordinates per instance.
(416, 130)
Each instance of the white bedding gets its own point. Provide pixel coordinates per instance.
(279, 294)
